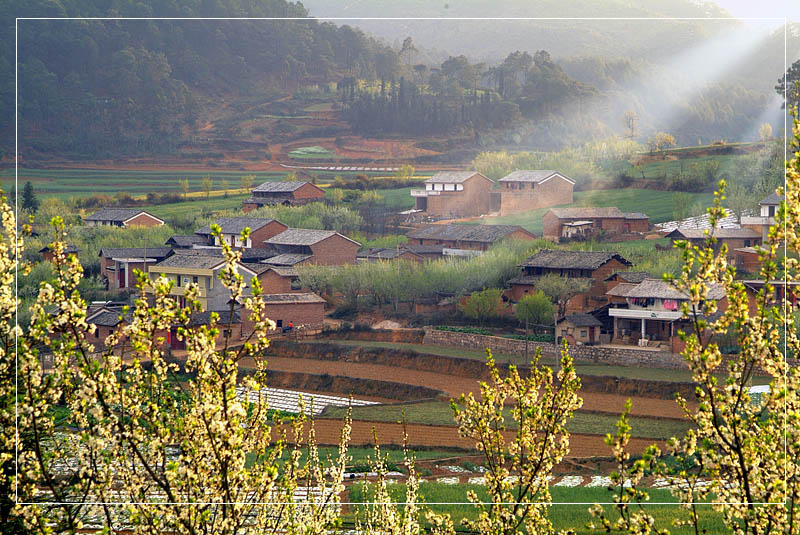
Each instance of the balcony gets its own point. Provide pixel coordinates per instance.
(424, 193)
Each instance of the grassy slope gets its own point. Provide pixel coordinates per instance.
(656, 204)
(195, 208)
(440, 413)
(570, 511)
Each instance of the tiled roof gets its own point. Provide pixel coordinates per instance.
(185, 241)
(772, 198)
(116, 214)
(383, 253)
(68, 249)
(621, 289)
(556, 259)
(635, 215)
(280, 187)
(283, 271)
(530, 280)
(107, 318)
(532, 176)
(424, 249)
(719, 233)
(136, 252)
(195, 261)
(587, 213)
(199, 319)
(235, 225)
(630, 276)
(662, 290)
(476, 233)
(302, 236)
(292, 298)
(451, 177)
(287, 259)
(582, 320)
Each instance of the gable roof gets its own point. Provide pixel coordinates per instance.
(636, 215)
(621, 289)
(660, 289)
(537, 176)
(454, 177)
(195, 261)
(557, 259)
(68, 249)
(582, 320)
(287, 259)
(587, 212)
(282, 187)
(185, 241)
(773, 199)
(107, 318)
(384, 253)
(235, 225)
(157, 252)
(198, 319)
(118, 215)
(629, 276)
(303, 236)
(476, 233)
(719, 233)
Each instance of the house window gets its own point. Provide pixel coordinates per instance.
(747, 243)
(584, 333)
(194, 279)
(771, 211)
(186, 281)
(296, 284)
(279, 324)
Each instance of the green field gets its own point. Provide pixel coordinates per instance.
(65, 183)
(440, 413)
(311, 153)
(583, 368)
(196, 207)
(570, 509)
(656, 204)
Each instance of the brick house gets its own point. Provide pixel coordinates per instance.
(579, 329)
(522, 190)
(568, 223)
(746, 259)
(469, 237)
(278, 279)
(106, 321)
(200, 267)
(300, 309)
(117, 264)
(261, 229)
(592, 266)
(292, 193)
(621, 277)
(734, 238)
(326, 247)
(761, 223)
(651, 315)
(122, 217)
(449, 194)
(48, 254)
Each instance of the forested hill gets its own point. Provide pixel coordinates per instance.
(113, 87)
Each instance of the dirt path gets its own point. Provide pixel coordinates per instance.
(328, 432)
(454, 386)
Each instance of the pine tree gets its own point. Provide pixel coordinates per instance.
(29, 200)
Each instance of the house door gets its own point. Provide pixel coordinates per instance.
(121, 272)
(591, 334)
(174, 343)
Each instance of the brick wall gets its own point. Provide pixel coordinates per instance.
(551, 226)
(308, 191)
(473, 200)
(551, 193)
(143, 220)
(309, 314)
(272, 283)
(273, 228)
(637, 225)
(334, 251)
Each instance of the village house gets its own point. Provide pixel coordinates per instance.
(301, 310)
(572, 223)
(291, 193)
(122, 217)
(277, 279)
(231, 228)
(199, 267)
(521, 191)
(186, 242)
(426, 252)
(106, 319)
(229, 325)
(620, 282)
(779, 292)
(326, 247)
(48, 254)
(467, 237)
(378, 254)
(592, 266)
(746, 259)
(579, 329)
(652, 315)
(450, 194)
(761, 223)
(117, 264)
(734, 238)
(287, 259)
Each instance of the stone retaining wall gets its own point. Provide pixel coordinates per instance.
(600, 355)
